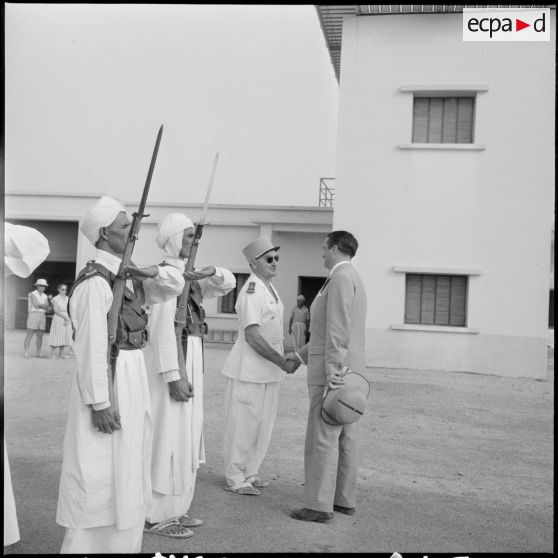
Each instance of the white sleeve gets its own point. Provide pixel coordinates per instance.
(168, 284)
(89, 306)
(217, 285)
(162, 340)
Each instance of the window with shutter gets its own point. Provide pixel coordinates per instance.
(436, 299)
(443, 119)
(227, 302)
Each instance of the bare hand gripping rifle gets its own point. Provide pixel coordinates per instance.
(181, 316)
(120, 282)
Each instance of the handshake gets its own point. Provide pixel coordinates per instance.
(290, 363)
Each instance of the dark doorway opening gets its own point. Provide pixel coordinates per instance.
(551, 310)
(54, 273)
(309, 287)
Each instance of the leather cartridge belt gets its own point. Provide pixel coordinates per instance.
(196, 329)
(130, 340)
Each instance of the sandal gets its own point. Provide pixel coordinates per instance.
(187, 521)
(169, 528)
(244, 490)
(259, 483)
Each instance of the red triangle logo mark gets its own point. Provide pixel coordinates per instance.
(519, 25)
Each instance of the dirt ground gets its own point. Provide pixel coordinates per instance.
(449, 462)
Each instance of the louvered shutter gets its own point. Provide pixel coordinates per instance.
(443, 119)
(436, 300)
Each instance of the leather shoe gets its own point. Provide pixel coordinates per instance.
(346, 511)
(304, 514)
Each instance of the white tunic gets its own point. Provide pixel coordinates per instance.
(105, 478)
(178, 441)
(261, 308)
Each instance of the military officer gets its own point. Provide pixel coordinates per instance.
(254, 371)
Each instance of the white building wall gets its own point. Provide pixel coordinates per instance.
(489, 210)
(299, 231)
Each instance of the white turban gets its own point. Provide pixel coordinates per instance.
(102, 214)
(170, 232)
(25, 249)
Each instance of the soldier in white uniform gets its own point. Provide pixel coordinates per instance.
(177, 404)
(254, 370)
(105, 484)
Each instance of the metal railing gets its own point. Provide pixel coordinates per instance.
(327, 192)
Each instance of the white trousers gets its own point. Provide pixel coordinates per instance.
(298, 335)
(106, 540)
(250, 411)
(167, 506)
(178, 445)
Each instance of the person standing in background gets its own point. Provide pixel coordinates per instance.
(60, 335)
(299, 323)
(38, 305)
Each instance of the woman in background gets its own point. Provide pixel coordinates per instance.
(61, 327)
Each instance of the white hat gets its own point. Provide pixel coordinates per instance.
(41, 282)
(25, 249)
(346, 404)
(102, 214)
(258, 248)
(170, 231)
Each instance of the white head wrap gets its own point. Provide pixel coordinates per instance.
(25, 249)
(170, 232)
(102, 214)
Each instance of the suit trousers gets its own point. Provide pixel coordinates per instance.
(330, 459)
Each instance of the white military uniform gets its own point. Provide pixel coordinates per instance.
(252, 384)
(178, 447)
(105, 483)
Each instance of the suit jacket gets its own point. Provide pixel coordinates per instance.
(337, 326)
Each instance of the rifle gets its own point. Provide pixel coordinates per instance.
(181, 316)
(120, 282)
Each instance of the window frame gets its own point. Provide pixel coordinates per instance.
(436, 310)
(445, 90)
(234, 292)
(471, 273)
(446, 99)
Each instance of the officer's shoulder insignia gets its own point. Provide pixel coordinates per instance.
(251, 288)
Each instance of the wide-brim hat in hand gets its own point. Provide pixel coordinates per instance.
(346, 404)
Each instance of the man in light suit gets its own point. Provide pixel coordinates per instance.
(337, 338)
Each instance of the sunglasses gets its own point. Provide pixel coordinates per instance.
(271, 259)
